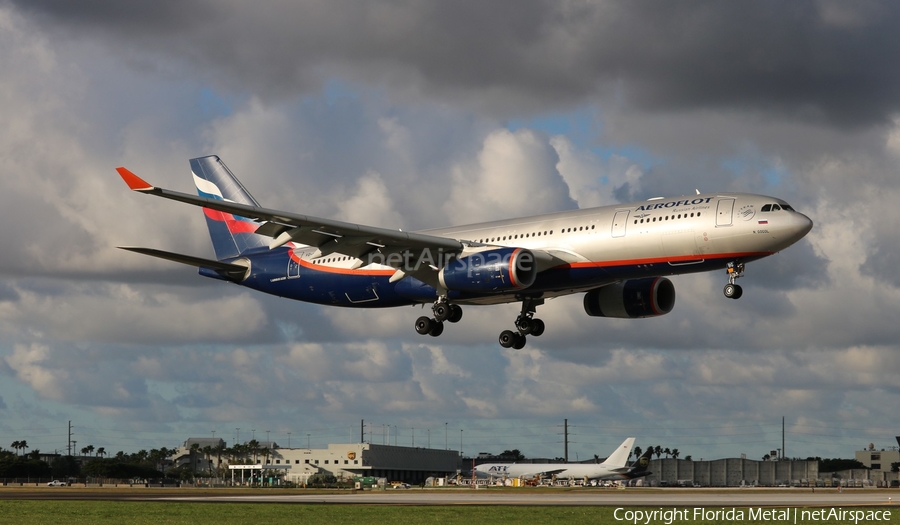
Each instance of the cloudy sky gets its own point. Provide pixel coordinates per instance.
(409, 114)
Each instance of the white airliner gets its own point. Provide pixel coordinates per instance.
(618, 256)
(613, 467)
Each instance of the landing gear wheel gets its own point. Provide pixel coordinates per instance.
(525, 325)
(537, 327)
(442, 312)
(424, 325)
(437, 329)
(455, 314)
(519, 342)
(508, 338)
(733, 291)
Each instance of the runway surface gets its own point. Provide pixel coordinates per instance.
(713, 498)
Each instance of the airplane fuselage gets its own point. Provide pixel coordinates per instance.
(560, 470)
(594, 247)
(618, 255)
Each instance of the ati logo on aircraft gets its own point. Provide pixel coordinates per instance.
(498, 468)
(674, 204)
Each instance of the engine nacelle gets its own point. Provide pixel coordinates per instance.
(632, 299)
(497, 270)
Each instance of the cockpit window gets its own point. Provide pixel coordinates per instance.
(775, 207)
(786, 207)
(767, 207)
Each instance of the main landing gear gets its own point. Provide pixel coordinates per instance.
(443, 311)
(735, 271)
(526, 324)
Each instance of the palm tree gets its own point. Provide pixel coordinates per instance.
(675, 453)
(89, 448)
(254, 446)
(637, 452)
(84, 451)
(658, 451)
(101, 451)
(195, 449)
(220, 449)
(15, 445)
(35, 454)
(207, 451)
(667, 452)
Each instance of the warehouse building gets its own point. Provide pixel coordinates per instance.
(732, 472)
(411, 465)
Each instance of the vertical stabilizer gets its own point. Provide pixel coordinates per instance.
(231, 235)
(619, 458)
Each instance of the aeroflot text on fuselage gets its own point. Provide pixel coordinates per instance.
(620, 257)
(673, 204)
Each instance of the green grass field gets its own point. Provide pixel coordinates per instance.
(101, 512)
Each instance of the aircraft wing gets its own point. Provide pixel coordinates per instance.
(329, 236)
(552, 472)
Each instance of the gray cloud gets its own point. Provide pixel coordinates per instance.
(816, 61)
(390, 111)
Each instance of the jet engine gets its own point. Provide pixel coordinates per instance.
(496, 270)
(631, 299)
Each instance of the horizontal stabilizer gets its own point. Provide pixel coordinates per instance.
(229, 271)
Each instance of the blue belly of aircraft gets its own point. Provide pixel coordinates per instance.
(274, 272)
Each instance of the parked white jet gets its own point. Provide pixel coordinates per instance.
(614, 467)
(616, 255)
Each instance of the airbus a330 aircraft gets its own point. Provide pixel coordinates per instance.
(616, 255)
(613, 467)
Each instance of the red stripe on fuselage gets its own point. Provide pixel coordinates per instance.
(589, 264)
(663, 260)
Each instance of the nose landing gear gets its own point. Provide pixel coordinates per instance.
(735, 271)
(526, 324)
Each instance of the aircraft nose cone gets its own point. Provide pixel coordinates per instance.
(804, 225)
(798, 226)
